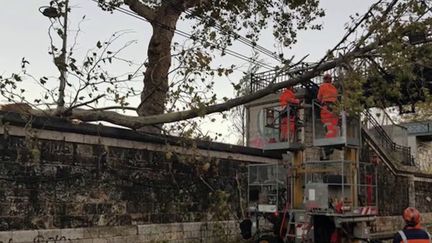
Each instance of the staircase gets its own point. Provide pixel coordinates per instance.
(376, 137)
(397, 158)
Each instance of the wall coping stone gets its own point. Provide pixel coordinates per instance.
(63, 125)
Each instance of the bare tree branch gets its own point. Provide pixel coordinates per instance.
(187, 4)
(113, 108)
(83, 104)
(353, 29)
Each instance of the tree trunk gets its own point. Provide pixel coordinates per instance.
(154, 95)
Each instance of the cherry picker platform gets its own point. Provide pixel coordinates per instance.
(310, 198)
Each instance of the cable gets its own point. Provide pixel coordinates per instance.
(242, 39)
(189, 36)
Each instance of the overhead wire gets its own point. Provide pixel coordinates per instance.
(353, 29)
(189, 36)
(242, 39)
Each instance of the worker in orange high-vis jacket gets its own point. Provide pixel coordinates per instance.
(412, 232)
(327, 96)
(288, 98)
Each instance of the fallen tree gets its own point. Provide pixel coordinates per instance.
(137, 122)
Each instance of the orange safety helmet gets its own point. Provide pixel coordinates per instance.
(327, 77)
(411, 216)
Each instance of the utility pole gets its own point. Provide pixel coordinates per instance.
(55, 13)
(61, 60)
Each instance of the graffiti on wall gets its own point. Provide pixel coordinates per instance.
(42, 239)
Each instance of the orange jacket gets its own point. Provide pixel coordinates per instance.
(327, 93)
(288, 97)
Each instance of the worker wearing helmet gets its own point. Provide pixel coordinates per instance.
(327, 96)
(288, 98)
(412, 232)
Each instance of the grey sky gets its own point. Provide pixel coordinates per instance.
(24, 34)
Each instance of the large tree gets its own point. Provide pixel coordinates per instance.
(215, 25)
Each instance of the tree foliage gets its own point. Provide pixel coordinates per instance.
(395, 72)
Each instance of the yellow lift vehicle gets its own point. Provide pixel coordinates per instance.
(325, 191)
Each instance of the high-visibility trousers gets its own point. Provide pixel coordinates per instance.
(336, 237)
(286, 134)
(330, 121)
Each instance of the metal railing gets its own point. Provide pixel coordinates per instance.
(398, 133)
(262, 80)
(346, 131)
(266, 187)
(397, 153)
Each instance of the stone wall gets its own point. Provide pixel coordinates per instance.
(396, 192)
(55, 178)
(423, 155)
(423, 196)
(389, 225)
(393, 192)
(83, 176)
(223, 231)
